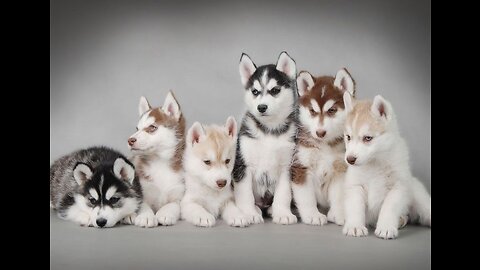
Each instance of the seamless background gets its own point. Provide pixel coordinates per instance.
(104, 56)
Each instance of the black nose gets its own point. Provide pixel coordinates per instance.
(131, 141)
(351, 159)
(221, 183)
(262, 108)
(101, 222)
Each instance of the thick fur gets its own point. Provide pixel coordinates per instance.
(379, 187)
(94, 187)
(318, 169)
(209, 160)
(157, 148)
(266, 140)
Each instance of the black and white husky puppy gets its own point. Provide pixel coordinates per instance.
(94, 187)
(266, 140)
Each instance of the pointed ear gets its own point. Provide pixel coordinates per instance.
(82, 172)
(286, 65)
(143, 106)
(171, 107)
(195, 133)
(231, 127)
(246, 68)
(344, 81)
(305, 82)
(381, 108)
(348, 101)
(124, 170)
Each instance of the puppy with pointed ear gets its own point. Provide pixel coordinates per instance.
(82, 173)
(143, 106)
(171, 106)
(348, 101)
(345, 82)
(231, 127)
(381, 108)
(305, 82)
(286, 65)
(124, 170)
(246, 68)
(195, 134)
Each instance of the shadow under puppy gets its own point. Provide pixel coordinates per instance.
(208, 162)
(94, 187)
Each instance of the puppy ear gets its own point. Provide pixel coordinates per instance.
(381, 108)
(348, 101)
(305, 82)
(171, 107)
(286, 65)
(246, 68)
(231, 127)
(124, 170)
(82, 173)
(195, 133)
(143, 106)
(344, 81)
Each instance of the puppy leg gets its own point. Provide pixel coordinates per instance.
(146, 218)
(355, 211)
(393, 208)
(306, 202)
(244, 199)
(168, 214)
(234, 216)
(337, 204)
(196, 214)
(281, 212)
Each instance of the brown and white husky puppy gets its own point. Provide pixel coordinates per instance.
(157, 148)
(208, 161)
(318, 168)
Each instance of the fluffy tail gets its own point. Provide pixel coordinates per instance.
(422, 203)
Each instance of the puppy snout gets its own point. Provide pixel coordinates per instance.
(221, 183)
(101, 222)
(262, 108)
(351, 160)
(131, 141)
(321, 133)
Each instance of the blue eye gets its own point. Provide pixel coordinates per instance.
(255, 92)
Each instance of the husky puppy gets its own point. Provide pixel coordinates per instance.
(208, 161)
(379, 187)
(318, 169)
(94, 187)
(266, 140)
(157, 148)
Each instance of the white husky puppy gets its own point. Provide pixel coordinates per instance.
(379, 187)
(208, 161)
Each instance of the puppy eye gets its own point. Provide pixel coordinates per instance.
(151, 129)
(312, 111)
(208, 162)
(332, 111)
(114, 199)
(255, 92)
(348, 137)
(227, 161)
(367, 138)
(274, 91)
(92, 200)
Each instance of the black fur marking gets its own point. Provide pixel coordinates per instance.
(279, 130)
(273, 73)
(239, 167)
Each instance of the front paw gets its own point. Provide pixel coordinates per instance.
(239, 221)
(130, 219)
(166, 220)
(83, 219)
(335, 217)
(146, 220)
(355, 230)
(386, 232)
(284, 217)
(207, 220)
(314, 218)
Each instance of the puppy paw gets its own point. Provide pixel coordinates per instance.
(166, 220)
(207, 220)
(83, 219)
(146, 220)
(314, 218)
(403, 220)
(386, 232)
(284, 217)
(130, 219)
(357, 231)
(336, 217)
(239, 221)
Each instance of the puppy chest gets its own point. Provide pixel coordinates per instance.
(267, 153)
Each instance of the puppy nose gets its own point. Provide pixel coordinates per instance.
(101, 222)
(221, 183)
(351, 160)
(262, 108)
(321, 133)
(131, 141)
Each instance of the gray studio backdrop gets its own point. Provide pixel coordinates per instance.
(104, 56)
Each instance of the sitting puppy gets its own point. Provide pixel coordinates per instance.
(379, 187)
(94, 187)
(208, 162)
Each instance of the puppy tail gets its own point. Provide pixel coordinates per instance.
(422, 203)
